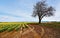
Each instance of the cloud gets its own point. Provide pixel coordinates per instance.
(5, 18)
(56, 16)
(2, 18)
(22, 11)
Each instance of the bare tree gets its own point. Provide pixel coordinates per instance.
(41, 9)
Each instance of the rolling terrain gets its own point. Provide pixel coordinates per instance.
(34, 30)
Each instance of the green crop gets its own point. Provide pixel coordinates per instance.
(11, 27)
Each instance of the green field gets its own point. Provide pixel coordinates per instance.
(10, 26)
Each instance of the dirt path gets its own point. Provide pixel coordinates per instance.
(27, 31)
(20, 33)
(33, 31)
(35, 34)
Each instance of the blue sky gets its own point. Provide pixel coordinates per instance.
(21, 10)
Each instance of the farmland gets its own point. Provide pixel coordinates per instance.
(12, 26)
(29, 30)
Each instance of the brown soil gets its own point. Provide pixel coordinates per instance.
(34, 31)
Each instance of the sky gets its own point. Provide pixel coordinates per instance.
(21, 10)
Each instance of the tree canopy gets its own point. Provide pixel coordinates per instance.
(41, 9)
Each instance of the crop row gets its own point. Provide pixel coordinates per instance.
(11, 27)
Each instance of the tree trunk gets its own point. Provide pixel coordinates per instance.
(39, 20)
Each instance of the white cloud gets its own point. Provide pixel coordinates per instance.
(56, 17)
(2, 18)
(25, 14)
